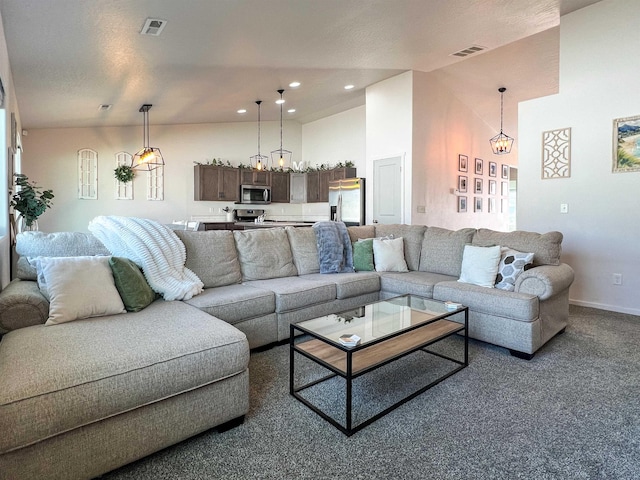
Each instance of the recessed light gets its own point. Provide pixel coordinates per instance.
(294, 84)
(242, 110)
(349, 87)
(291, 110)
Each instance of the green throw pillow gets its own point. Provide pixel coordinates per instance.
(133, 288)
(363, 255)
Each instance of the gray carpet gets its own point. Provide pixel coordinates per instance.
(573, 412)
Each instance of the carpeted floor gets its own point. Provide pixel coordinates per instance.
(573, 412)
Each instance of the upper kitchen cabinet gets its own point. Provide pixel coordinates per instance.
(280, 187)
(318, 182)
(215, 183)
(298, 187)
(254, 177)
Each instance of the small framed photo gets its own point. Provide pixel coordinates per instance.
(462, 204)
(477, 186)
(478, 170)
(492, 205)
(504, 205)
(493, 169)
(492, 187)
(505, 171)
(504, 189)
(463, 163)
(10, 167)
(462, 183)
(477, 204)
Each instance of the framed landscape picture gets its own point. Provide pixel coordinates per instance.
(478, 166)
(463, 162)
(626, 144)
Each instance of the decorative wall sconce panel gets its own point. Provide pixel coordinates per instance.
(155, 184)
(123, 191)
(556, 153)
(87, 174)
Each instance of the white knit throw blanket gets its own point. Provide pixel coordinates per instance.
(154, 248)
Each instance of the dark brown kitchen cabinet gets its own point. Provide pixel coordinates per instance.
(254, 177)
(280, 187)
(214, 183)
(318, 182)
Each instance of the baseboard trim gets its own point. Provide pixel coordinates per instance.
(604, 306)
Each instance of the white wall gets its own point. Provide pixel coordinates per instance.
(598, 78)
(443, 128)
(389, 131)
(50, 158)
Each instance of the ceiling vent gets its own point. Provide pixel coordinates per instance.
(153, 26)
(468, 51)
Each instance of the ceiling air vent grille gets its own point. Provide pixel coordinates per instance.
(468, 51)
(153, 26)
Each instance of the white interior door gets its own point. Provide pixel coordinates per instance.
(387, 190)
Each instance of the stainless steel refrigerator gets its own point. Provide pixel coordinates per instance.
(346, 201)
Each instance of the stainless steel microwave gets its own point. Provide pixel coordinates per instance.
(256, 194)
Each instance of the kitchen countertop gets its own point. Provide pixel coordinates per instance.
(270, 224)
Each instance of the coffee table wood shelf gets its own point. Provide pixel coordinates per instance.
(391, 329)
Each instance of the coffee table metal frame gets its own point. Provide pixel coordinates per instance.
(324, 352)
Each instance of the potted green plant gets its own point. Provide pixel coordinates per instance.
(30, 201)
(124, 173)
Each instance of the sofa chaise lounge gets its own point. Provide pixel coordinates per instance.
(82, 398)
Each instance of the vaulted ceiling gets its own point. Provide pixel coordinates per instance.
(214, 57)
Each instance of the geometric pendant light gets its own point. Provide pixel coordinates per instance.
(148, 157)
(259, 162)
(281, 158)
(501, 143)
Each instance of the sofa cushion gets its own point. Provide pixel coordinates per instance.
(349, 285)
(357, 232)
(133, 288)
(212, 256)
(512, 264)
(293, 293)
(58, 244)
(388, 255)
(264, 253)
(492, 301)
(83, 372)
(480, 265)
(79, 287)
(546, 247)
(442, 250)
(304, 249)
(413, 236)
(363, 255)
(415, 283)
(235, 303)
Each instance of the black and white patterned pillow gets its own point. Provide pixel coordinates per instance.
(512, 264)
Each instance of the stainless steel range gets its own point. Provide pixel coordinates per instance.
(248, 214)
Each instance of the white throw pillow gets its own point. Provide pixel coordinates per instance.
(480, 265)
(388, 255)
(79, 287)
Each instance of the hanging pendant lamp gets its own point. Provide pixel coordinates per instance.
(147, 157)
(501, 143)
(281, 158)
(259, 162)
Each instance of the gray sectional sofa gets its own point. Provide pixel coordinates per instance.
(82, 398)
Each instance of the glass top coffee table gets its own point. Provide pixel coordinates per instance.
(388, 330)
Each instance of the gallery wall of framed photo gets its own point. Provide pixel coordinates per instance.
(483, 183)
